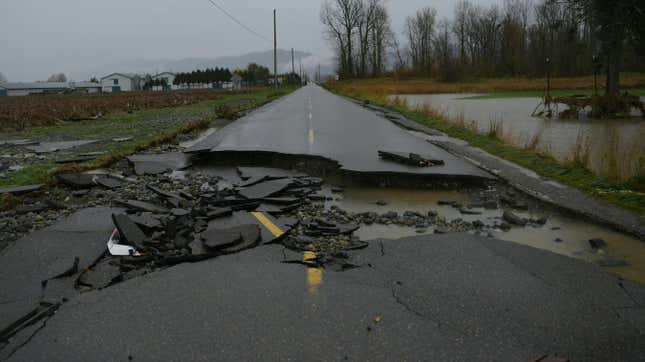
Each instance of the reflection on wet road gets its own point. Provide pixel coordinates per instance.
(314, 275)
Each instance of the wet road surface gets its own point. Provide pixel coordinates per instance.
(449, 297)
(314, 122)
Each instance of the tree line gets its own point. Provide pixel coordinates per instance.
(518, 38)
(207, 76)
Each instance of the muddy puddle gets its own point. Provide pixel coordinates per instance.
(612, 146)
(562, 234)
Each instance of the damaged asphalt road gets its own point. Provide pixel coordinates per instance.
(456, 297)
(314, 122)
(254, 263)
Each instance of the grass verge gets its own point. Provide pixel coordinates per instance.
(149, 128)
(630, 194)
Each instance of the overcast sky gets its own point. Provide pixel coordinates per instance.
(40, 37)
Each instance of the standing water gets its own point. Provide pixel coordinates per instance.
(612, 147)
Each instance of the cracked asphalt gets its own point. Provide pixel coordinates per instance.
(440, 297)
(453, 297)
(314, 122)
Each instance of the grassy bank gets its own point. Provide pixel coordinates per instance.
(391, 85)
(554, 93)
(630, 194)
(147, 128)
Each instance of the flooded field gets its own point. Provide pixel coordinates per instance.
(611, 146)
(562, 234)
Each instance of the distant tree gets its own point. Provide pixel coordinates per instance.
(57, 77)
(420, 32)
(258, 73)
(615, 23)
(94, 80)
(3, 79)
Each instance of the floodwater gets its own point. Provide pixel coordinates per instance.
(572, 234)
(613, 147)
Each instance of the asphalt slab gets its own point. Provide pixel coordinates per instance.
(314, 122)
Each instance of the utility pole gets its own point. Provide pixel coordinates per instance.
(275, 51)
(301, 75)
(293, 64)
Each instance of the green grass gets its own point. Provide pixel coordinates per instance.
(630, 195)
(148, 127)
(554, 93)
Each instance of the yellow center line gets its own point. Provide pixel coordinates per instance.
(268, 224)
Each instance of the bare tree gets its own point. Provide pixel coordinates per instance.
(420, 31)
(380, 39)
(341, 19)
(444, 52)
(460, 25)
(57, 77)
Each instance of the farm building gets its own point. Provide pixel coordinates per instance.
(121, 82)
(25, 89)
(168, 77)
(236, 79)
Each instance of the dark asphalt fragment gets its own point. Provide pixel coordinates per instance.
(167, 194)
(102, 275)
(19, 190)
(109, 182)
(217, 212)
(265, 189)
(513, 219)
(146, 220)
(143, 206)
(78, 180)
(129, 232)
(411, 159)
(232, 238)
(79, 159)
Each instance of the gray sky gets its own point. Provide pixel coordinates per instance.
(40, 37)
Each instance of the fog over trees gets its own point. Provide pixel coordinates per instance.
(514, 39)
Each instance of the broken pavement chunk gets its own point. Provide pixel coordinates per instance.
(129, 232)
(109, 182)
(154, 164)
(217, 212)
(78, 180)
(232, 239)
(265, 189)
(79, 159)
(513, 219)
(143, 206)
(166, 194)
(146, 220)
(271, 229)
(48, 147)
(247, 173)
(411, 159)
(102, 275)
(18, 190)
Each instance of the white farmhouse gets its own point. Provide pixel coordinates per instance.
(121, 82)
(168, 77)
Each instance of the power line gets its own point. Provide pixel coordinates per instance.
(239, 22)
